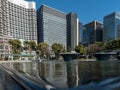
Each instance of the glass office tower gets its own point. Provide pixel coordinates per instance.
(92, 32)
(52, 25)
(80, 32)
(55, 26)
(111, 29)
(72, 31)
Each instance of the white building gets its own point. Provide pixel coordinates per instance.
(18, 19)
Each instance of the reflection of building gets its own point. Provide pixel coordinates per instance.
(54, 72)
(92, 32)
(72, 75)
(111, 27)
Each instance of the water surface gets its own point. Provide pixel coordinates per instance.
(84, 75)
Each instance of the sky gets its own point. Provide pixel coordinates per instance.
(87, 10)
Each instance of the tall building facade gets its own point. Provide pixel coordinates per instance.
(92, 32)
(111, 29)
(18, 19)
(72, 31)
(80, 32)
(51, 25)
(4, 18)
(55, 26)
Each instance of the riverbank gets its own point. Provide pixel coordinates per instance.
(22, 61)
(9, 61)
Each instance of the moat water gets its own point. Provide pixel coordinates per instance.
(74, 75)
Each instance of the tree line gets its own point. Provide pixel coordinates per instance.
(98, 46)
(42, 49)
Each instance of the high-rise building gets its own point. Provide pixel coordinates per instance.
(51, 25)
(18, 19)
(92, 32)
(4, 18)
(55, 26)
(80, 32)
(72, 30)
(111, 29)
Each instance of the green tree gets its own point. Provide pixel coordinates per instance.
(43, 47)
(30, 45)
(15, 45)
(101, 45)
(57, 48)
(113, 44)
(26, 45)
(80, 49)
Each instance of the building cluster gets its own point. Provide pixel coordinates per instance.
(19, 19)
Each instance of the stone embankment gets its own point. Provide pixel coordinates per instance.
(11, 79)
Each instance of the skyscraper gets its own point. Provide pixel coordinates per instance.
(18, 19)
(92, 32)
(55, 26)
(111, 29)
(72, 30)
(51, 25)
(80, 32)
(4, 18)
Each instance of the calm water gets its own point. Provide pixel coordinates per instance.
(83, 75)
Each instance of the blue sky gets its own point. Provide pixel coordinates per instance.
(87, 10)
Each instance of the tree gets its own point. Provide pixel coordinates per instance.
(29, 45)
(80, 49)
(101, 45)
(43, 47)
(15, 45)
(113, 44)
(57, 48)
(26, 45)
(32, 46)
(93, 48)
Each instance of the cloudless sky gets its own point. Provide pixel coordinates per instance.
(87, 10)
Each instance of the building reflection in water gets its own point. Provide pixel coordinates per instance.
(72, 75)
(69, 74)
(54, 72)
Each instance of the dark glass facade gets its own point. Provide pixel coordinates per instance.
(111, 27)
(72, 33)
(92, 32)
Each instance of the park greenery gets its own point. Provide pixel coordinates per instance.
(57, 48)
(80, 49)
(113, 44)
(15, 46)
(43, 49)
